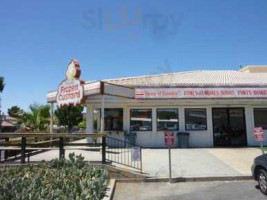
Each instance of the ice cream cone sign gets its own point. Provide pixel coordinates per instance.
(71, 90)
(73, 70)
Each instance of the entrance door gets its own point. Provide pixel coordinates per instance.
(229, 127)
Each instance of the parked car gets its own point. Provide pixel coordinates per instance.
(259, 172)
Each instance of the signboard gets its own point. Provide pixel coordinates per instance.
(71, 90)
(168, 138)
(180, 93)
(259, 134)
(136, 153)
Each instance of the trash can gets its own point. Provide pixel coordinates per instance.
(183, 139)
(130, 137)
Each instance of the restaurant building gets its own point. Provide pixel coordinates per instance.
(217, 107)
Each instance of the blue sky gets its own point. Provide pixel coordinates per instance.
(117, 38)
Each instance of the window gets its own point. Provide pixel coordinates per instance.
(260, 117)
(113, 119)
(195, 119)
(141, 120)
(167, 120)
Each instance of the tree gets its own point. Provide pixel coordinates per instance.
(82, 124)
(15, 111)
(37, 118)
(2, 84)
(69, 116)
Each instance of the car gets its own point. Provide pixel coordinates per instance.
(259, 172)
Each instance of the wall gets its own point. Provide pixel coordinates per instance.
(155, 138)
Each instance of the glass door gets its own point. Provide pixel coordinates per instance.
(237, 127)
(220, 127)
(229, 128)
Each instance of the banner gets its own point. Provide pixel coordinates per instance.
(180, 93)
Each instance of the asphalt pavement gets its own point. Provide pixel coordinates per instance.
(216, 190)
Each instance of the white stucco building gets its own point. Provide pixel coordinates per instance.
(217, 108)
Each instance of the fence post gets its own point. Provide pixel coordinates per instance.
(6, 151)
(104, 149)
(61, 148)
(23, 149)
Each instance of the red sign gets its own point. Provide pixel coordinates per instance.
(180, 93)
(169, 138)
(71, 90)
(259, 134)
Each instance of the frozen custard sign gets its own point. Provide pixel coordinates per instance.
(71, 90)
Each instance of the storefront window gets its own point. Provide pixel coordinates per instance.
(260, 117)
(113, 119)
(167, 120)
(195, 119)
(141, 120)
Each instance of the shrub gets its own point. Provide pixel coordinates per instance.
(62, 179)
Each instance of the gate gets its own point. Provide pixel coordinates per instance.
(124, 153)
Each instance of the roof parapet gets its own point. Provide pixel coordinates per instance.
(254, 69)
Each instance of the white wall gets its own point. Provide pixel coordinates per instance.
(155, 138)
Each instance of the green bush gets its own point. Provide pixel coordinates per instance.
(62, 179)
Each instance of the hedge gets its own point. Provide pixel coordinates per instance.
(64, 179)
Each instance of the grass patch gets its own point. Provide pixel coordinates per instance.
(69, 179)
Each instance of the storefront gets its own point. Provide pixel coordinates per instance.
(217, 108)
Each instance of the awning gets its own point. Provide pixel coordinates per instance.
(100, 88)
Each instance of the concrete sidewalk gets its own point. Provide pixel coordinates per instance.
(213, 162)
(206, 162)
(94, 156)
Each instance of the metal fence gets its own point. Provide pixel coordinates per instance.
(124, 153)
(23, 146)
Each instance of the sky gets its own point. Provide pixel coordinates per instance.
(118, 38)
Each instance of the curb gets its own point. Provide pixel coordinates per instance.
(188, 179)
(110, 190)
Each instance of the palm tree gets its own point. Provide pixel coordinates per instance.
(37, 118)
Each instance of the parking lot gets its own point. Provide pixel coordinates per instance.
(235, 190)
